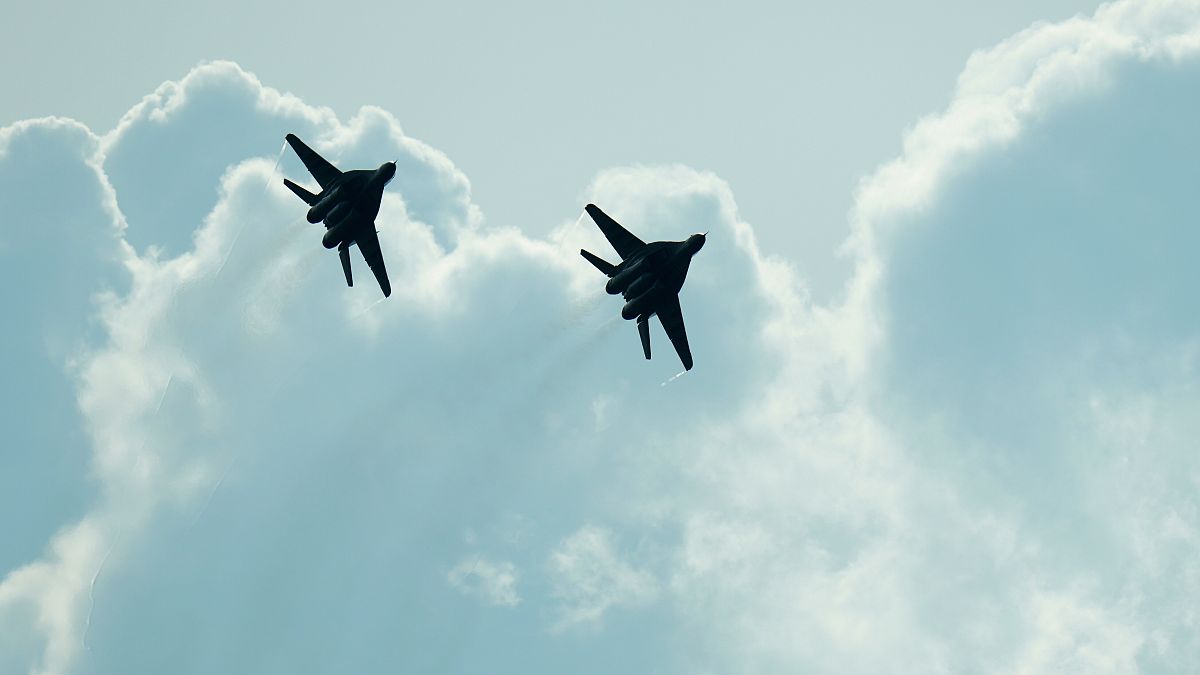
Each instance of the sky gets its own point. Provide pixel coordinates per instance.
(790, 103)
(963, 444)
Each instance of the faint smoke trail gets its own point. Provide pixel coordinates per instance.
(580, 308)
(104, 561)
(266, 186)
(157, 409)
(290, 229)
(555, 369)
(285, 268)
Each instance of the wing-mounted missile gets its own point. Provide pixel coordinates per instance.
(334, 236)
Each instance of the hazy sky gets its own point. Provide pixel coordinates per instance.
(792, 103)
(979, 457)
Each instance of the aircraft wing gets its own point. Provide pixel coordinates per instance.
(323, 171)
(625, 243)
(368, 243)
(671, 317)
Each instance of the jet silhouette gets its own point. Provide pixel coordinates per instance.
(649, 277)
(348, 203)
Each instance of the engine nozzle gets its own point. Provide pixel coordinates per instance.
(333, 237)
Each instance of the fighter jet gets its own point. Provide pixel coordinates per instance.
(649, 277)
(348, 203)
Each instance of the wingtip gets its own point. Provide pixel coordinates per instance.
(291, 138)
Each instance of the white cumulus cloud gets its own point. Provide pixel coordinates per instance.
(981, 459)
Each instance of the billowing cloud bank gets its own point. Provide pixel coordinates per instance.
(981, 460)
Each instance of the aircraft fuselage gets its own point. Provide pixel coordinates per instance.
(660, 268)
(350, 204)
(649, 277)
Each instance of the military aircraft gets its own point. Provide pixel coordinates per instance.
(649, 277)
(348, 203)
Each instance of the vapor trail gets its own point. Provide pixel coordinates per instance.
(163, 397)
(370, 306)
(87, 624)
(278, 159)
(674, 377)
(213, 492)
(266, 186)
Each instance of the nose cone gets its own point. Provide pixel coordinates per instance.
(388, 170)
(695, 243)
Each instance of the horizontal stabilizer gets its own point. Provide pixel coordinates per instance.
(308, 197)
(599, 262)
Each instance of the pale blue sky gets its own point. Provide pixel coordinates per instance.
(981, 458)
(791, 102)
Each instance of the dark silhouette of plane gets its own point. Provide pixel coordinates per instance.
(348, 203)
(649, 277)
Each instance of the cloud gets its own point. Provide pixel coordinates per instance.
(56, 254)
(211, 448)
(1027, 254)
(979, 460)
(168, 153)
(589, 578)
(495, 582)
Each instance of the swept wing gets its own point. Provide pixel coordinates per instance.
(624, 241)
(322, 170)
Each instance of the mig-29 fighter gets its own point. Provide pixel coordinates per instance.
(348, 203)
(649, 277)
